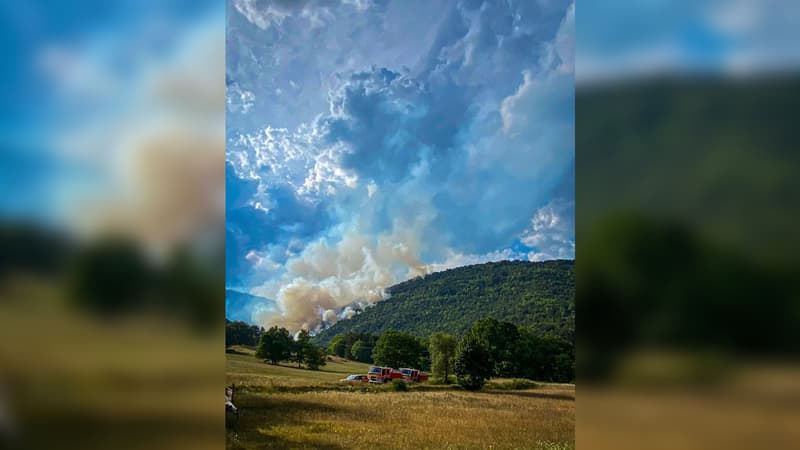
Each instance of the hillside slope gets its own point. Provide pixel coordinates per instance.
(527, 294)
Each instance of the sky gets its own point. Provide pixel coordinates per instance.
(364, 141)
(113, 118)
(368, 142)
(621, 39)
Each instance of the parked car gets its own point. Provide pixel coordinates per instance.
(356, 379)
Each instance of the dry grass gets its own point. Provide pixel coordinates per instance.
(74, 381)
(758, 406)
(327, 415)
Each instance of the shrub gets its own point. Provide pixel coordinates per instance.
(515, 384)
(399, 386)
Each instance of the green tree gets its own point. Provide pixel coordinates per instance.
(337, 346)
(315, 357)
(545, 358)
(472, 363)
(241, 333)
(500, 338)
(442, 350)
(301, 347)
(275, 345)
(396, 349)
(361, 351)
(110, 276)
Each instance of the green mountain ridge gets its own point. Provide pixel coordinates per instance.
(536, 294)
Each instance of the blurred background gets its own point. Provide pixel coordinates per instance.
(688, 317)
(111, 224)
(112, 208)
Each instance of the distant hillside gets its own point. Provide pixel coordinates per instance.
(538, 294)
(239, 306)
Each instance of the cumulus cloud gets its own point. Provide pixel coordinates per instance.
(391, 123)
(551, 232)
(239, 100)
(268, 13)
(402, 170)
(261, 14)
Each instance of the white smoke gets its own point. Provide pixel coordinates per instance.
(329, 282)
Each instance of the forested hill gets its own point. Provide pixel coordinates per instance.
(540, 294)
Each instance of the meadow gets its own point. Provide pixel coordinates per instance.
(71, 380)
(287, 407)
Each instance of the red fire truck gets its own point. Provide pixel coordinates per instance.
(413, 375)
(378, 374)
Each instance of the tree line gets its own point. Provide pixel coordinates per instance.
(242, 333)
(490, 348)
(113, 275)
(500, 349)
(277, 344)
(353, 346)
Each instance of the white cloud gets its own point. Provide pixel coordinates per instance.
(360, 5)
(299, 159)
(239, 100)
(457, 259)
(261, 261)
(551, 232)
(261, 17)
(372, 189)
(564, 43)
(273, 13)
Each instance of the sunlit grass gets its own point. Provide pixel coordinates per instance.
(286, 407)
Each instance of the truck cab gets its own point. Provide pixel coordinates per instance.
(378, 374)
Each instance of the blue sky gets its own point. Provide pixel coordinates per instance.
(84, 91)
(113, 122)
(372, 141)
(623, 39)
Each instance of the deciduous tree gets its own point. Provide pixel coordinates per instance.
(275, 345)
(396, 349)
(442, 349)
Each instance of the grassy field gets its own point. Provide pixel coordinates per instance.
(286, 407)
(69, 380)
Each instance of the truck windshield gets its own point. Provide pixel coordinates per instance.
(374, 370)
(406, 371)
